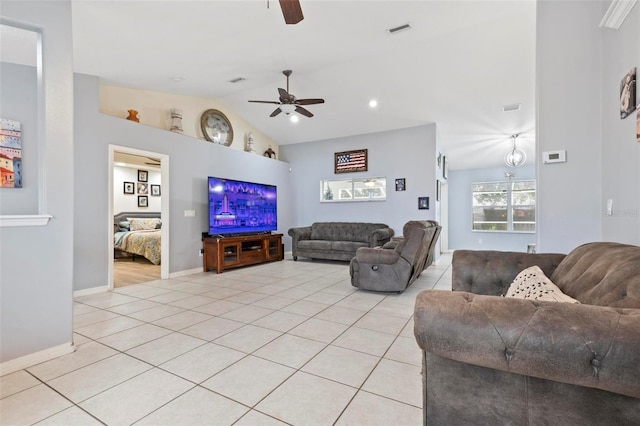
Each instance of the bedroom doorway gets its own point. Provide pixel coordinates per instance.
(139, 216)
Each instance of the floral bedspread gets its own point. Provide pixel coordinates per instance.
(145, 243)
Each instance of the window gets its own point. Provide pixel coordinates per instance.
(361, 189)
(504, 206)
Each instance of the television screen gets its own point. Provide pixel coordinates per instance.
(238, 207)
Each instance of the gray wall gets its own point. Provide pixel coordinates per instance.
(19, 95)
(579, 68)
(408, 153)
(620, 151)
(36, 263)
(190, 160)
(460, 211)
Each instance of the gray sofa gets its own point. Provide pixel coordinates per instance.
(495, 360)
(337, 240)
(398, 263)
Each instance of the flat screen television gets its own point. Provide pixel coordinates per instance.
(238, 207)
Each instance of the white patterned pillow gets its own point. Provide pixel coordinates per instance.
(532, 284)
(139, 224)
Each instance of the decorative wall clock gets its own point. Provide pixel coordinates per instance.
(216, 127)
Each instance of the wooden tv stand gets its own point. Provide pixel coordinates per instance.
(222, 253)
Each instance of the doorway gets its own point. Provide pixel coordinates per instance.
(139, 188)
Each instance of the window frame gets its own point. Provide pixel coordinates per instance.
(510, 222)
(352, 190)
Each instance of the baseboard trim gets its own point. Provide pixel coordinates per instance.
(184, 273)
(92, 290)
(30, 360)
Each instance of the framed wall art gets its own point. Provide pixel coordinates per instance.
(143, 188)
(351, 161)
(155, 190)
(10, 154)
(143, 201)
(628, 93)
(143, 176)
(401, 184)
(129, 188)
(423, 203)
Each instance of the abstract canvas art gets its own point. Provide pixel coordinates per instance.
(10, 154)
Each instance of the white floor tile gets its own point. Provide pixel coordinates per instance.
(363, 340)
(374, 410)
(196, 407)
(319, 330)
(156, 313)
(280, 321)
(98, 315)
(182, 320)
(16, 382)
(133, 337)
(136, 398)
(72, 416)
(405, 349)
(84, 355)
(31, 406)
(307, 400)
(382, 323)
(291, 351)
(203, 362)
(304, 307)
(131, 307)
(212, 329)
(256, 418)
(105, 328)
(247, 314)
(342, 365)
(342, 315)
(396, 380)
(249, 380)
(165, 348)
(248, 338)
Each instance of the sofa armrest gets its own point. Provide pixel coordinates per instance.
(584, 345)
(491, 272)
(298, 234)
(380, 236)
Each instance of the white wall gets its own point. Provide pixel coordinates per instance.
(569, 108)
(460, 211)
(129, 202)
(407, 153)
(36, 264)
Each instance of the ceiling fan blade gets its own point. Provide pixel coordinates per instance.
(266, 102)
(303, 111)
(309, 101)
(283, 93)
(292, 11)
(276, 112)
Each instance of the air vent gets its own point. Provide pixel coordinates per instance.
(401, 28)
(512, 107)
(237, 80)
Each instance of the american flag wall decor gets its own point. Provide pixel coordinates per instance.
(351, 161)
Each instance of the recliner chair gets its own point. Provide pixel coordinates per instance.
(393, 270)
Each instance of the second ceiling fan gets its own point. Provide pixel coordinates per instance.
(289, 103)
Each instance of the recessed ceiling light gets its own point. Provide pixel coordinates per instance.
(177, 79)
(294, 118)
(373, 103)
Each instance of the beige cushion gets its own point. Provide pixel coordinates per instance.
(533, 284)
(141, 224)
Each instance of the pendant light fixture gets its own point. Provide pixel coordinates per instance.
(516, 157)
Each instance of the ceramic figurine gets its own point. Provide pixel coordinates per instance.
(133, 115)
(176, 120)
(250, 147)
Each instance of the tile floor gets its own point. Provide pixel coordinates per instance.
(280, 343)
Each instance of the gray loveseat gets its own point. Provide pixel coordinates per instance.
(337, 240)
(494, 360)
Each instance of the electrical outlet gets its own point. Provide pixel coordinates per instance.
(200, 252)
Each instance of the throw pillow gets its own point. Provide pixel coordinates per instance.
(141, 224)
(533, 284)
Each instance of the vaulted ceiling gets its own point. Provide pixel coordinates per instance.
(457, 66)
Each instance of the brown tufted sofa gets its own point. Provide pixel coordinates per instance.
(495, 361)
(337, 240)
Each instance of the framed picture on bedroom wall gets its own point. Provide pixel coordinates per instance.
(143, 188)
(143, 201)
(155, 190)
(143, 176)
(129, 188)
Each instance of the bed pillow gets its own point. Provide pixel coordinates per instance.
(533, 284)
(141, 224)
(124, 225)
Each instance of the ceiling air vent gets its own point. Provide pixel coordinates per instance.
(401, 28)
(237, 80)
(512, 107)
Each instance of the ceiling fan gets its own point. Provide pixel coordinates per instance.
(292, 11)
(289, 103)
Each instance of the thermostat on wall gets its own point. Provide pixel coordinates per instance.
(554, 156)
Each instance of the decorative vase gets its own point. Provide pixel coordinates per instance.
(250, 147)
(133, 115)
(176, 120)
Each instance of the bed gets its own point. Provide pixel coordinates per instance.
(138, 233)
